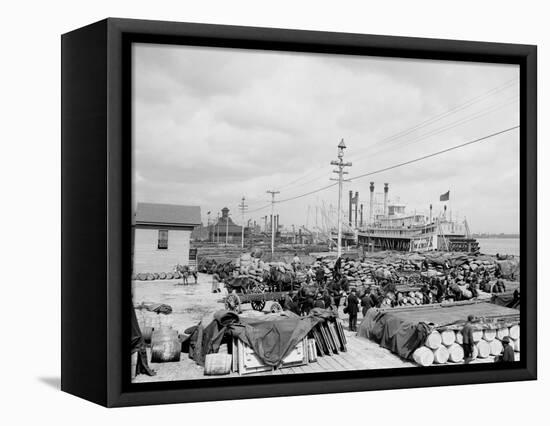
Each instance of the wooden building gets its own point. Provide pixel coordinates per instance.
(224, 229)
(161, 236)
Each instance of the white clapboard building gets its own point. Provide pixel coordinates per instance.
(162, 234)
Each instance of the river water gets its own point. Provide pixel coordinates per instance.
(499, 245)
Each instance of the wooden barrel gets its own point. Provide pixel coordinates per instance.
(516, 345)
(134, 277)
(475, 352)
(217, 364)
(478, 335)
(459, 338)
(142, 277)
(483, 349)
(433, 341)
(162, 276)
(155, 275)
(489, 335)
(495, 347)
(456, 353)
(513, 332)
(169, 275)
(448, 337)
(423, 356)
(441, 355)
(150, 277)
(502, 332)
(165, 345)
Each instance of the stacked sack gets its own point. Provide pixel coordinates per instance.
(445, 346)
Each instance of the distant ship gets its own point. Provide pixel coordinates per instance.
(397, 230)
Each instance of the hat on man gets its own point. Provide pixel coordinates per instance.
(471, 317)
(505, 339)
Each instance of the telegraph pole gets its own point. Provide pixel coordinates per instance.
(340, 171)
(272, 221)
(242, 208)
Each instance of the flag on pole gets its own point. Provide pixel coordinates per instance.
(444, 197)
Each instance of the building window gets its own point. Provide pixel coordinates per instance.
(163, 239)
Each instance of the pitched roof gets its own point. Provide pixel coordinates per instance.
(167, 214)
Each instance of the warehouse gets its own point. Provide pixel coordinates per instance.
(225, 230)
(162, 234)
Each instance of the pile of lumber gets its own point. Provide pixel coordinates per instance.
(329, 337)
(445, 345)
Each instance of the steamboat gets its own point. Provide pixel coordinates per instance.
(395, 229)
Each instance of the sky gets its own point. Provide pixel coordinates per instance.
(211, 125)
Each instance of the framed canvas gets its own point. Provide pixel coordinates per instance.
(256, 212)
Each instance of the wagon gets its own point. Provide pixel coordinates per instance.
(257, 299)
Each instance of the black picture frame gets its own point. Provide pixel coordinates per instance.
(96, 210)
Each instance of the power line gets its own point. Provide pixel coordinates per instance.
(472, 101)
(404, 163)
(435, 153)
(446, 127)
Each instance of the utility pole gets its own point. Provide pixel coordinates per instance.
(273, 220)
(242, 208)
(340, 171)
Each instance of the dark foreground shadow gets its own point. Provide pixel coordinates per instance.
(54, 382)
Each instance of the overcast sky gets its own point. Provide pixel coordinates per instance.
(212, 125)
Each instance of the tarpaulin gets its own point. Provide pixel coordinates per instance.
(391, 332)
(508, 268)
(274, 340)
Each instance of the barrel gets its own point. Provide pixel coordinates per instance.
(150, 277)
(433, 341)
(423, 356)
(459, 338)
(516, 345)
(155, 275)
(217, 364)
(162, 276)
(169, 275)
(478, 335)
(513, 332)
(495, 347)
(441, 355)
(456, 353)
(483, 349)
(448, 337)
(475, 352)
(489, 335)
(165, 345)
(502, 332)
(141, 277)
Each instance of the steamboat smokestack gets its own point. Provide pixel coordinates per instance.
(430, 213)
(350, 208)
(356, 202)
(385, 199)
(371, 202)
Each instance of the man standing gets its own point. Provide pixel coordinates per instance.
(296, 262)
(468, 339)
(320, 276)
(507, 351)
(319, 302)
(366, 303)
(353, 309)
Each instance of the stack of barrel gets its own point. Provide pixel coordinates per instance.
(445, 346)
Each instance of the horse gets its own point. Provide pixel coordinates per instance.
(185, 272)
(277, 280)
